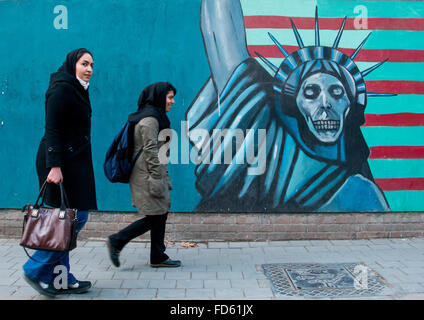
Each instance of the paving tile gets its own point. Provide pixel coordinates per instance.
(211, 275)
(152, 275)
(217, 284)
(295, 249)
(5, 273)
(298, 243)
(413, 270)
(412, 296)
(127, 275)
(102, 275)
(114, 293)
(253, 283)
(207, 261)
(264, 283)
(218, 267)
(258, 293)
(412, 287)
(229, 275)
(231, 293)
(6, 291)
(317, 249)
(95, 244)
(193, 268)
(108, 284)
(244, 267)
(170, 293)
(7, 281)
(258, 244)
(135, 284)
(238, 244)
(177, 275)
(200, 294)
(142, 294)
(27, 292)
(218, 245)
(253, 275)
(160, 284)
(190, 284)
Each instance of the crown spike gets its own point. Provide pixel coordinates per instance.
(371, 69)
(378, 94)
(339, 35)
(360, 47)
(283, 51)
(297, 35)
(267, 62)
(317, 42)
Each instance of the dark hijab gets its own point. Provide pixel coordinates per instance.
(152, 103)
(66, 73)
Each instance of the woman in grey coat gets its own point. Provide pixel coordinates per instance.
(149, 181)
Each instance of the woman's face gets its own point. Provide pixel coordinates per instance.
(169, 100)
(84, 67)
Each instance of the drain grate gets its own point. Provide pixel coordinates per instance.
(324, 280)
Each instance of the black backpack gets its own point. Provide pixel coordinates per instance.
(118, 163)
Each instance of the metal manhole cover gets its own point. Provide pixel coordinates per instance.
(324, 280)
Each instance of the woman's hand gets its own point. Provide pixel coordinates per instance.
(55, 175)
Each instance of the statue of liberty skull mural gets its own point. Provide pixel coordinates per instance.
(311, 111)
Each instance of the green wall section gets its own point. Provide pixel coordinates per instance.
(136, 43)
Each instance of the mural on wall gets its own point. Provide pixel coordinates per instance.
(285, 124)
(309, 111)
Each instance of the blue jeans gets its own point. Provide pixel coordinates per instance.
(45, 272)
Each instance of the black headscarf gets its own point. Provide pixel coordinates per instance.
(152, 103)
(66, 72)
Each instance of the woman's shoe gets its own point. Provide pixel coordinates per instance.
(113, 253)
(77, 287)
(41, 287)
(167, 263)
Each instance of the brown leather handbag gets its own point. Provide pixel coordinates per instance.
(51, 229)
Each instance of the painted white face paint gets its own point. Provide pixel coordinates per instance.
(323, 102)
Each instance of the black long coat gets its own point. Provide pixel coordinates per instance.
(67, 143)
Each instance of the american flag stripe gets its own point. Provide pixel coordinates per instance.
(283, 22)
(394, 120)
(394, 127)
(365, 55)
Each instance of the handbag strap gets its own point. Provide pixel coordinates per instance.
(64, 202)
(41, 195)
(56, 261)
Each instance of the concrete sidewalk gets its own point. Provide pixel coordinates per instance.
(220, 270)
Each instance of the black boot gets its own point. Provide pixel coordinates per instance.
(113, 252)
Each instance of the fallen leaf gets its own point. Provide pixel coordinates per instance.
(170, 242)
(188, 244)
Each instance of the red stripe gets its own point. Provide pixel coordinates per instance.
(365, 55)
(397, 184)
(394, 120)
(395, 87)
(397, 152)
(280, 22)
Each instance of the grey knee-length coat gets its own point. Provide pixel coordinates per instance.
(149, 181)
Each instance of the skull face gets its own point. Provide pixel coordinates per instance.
(323, 102)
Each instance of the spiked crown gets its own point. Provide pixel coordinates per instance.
(312, 55)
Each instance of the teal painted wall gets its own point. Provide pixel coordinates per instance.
(137, 42)
(134, 43)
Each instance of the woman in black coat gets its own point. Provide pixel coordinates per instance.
(64, 156)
